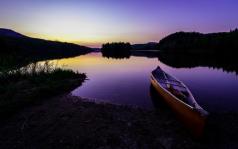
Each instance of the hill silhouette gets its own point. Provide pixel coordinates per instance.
(146, 46)
(194, 42)
(15, 48)
(12, 42)
(10, 33)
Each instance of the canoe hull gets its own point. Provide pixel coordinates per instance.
(191, 118)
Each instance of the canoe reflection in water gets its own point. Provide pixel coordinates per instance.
(181, 100)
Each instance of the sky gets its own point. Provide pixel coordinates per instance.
(93, 22)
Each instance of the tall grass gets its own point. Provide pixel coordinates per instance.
(28, 71)
(21, 87)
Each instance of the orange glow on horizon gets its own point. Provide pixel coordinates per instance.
(94, 42)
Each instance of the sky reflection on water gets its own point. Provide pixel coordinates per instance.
(126, 81)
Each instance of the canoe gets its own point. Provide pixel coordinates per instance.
(176, 94)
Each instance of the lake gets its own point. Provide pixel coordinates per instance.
(127, 81)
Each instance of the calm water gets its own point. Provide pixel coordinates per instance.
(126, 81)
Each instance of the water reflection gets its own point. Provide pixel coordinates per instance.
(227, 62)
(116, 54)
(128, 54)
(127, 81)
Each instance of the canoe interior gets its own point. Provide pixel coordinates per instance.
(172, 85)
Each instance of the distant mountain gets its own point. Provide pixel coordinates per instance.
(146, 46)
(10, 33)
(193, 42)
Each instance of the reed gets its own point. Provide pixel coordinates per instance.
(26, 85)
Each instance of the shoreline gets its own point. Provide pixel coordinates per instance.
(68, 121)
(27, 86)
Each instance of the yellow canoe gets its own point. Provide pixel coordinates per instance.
(181, 101)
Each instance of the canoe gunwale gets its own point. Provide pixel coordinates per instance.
(196, 107)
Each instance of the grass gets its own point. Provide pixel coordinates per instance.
(25, 86)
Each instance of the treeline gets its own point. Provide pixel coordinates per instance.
(116, 50)
(17, 49)
(39, 47)
(117, 45)
(125, 50)
(193, 42)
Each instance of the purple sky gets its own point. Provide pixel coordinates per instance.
(92, 22)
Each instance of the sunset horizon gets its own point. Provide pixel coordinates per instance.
(92, 23)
